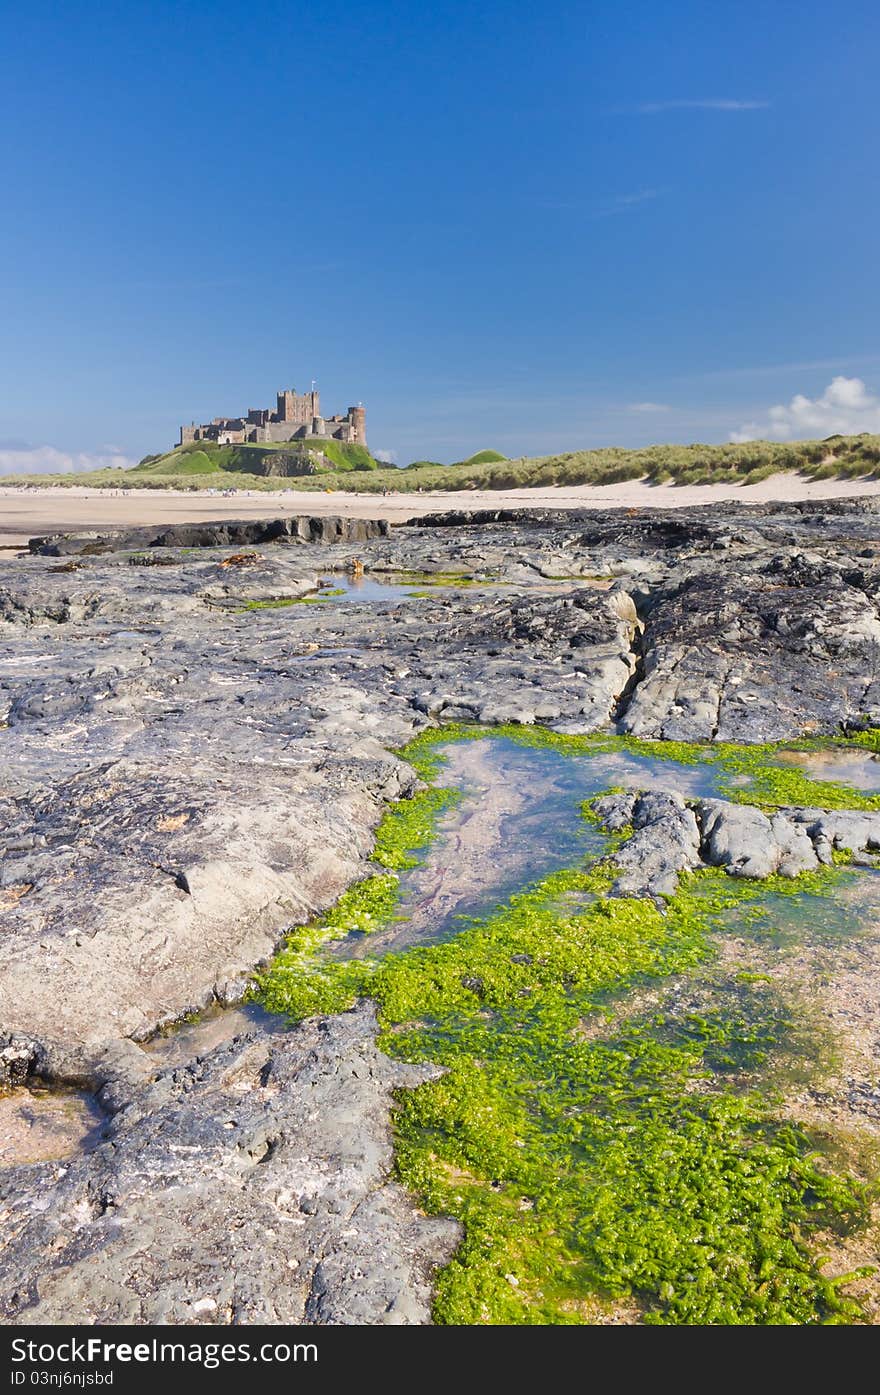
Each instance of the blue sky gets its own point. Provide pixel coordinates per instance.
(536, 228)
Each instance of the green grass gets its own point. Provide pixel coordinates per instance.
(480, 457)
(838, 457)
(269, 460)
(645, 1164)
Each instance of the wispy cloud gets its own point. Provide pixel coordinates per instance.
(648, 408)
(694, 104)
(772, 370)
(846, 407)
(18, 458)
(624, 202)
(606, 208)
(388, 457)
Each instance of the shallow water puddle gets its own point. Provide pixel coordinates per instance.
(857, 769)
(786, 919)
(46, 1125)
(519, 819)
(397, 586)
(341, 586)
(216, 1026)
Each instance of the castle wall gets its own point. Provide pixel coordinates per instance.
(297, 417)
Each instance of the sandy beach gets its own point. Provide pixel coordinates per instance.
(26, 513)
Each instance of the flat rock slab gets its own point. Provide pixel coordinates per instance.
(183, 777)
(737, 655)
(251, 1186)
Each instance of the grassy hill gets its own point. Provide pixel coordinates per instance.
(206, 458)
(482, 457)
(204, 465)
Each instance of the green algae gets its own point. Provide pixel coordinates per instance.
(592, 1163)
(749, 773)
(313, 598)
(275, 604)
(408, 827)
(596, 1166)
(298, 983)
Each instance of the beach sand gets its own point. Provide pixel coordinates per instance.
(26, 513)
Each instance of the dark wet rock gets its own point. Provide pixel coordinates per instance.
(251, 1186)
(747, 656)
(474, 984)
(226, 533)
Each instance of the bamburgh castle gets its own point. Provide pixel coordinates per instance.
(295, 419)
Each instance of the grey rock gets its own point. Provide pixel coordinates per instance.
(746, 843)
(755, 656)
(838, 829)
(182, 778)
(615, 811)
(665, 841)
(252, 1186)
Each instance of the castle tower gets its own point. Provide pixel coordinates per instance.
(358, 417)
(295, 409)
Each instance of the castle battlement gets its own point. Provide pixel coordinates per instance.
(297, 417)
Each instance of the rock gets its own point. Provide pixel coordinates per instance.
(665, 841)
(252, 1186)
(615, 811)
(755, 656)
(840, 829)
(668, 838)
(183, 778)
(746, 843)
(18, 1060)
(321, 528)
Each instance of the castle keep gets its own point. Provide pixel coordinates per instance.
(296, 418)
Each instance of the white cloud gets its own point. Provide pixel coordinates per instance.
(846, 407)
(622, 203)
(698, 104)
(605, 208)
(648, 407)
(16, 458)
(628, 200)
(388, 457)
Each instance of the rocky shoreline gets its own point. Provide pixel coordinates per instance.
(196, 757)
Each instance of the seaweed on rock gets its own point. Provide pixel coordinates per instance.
(592, 1167)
